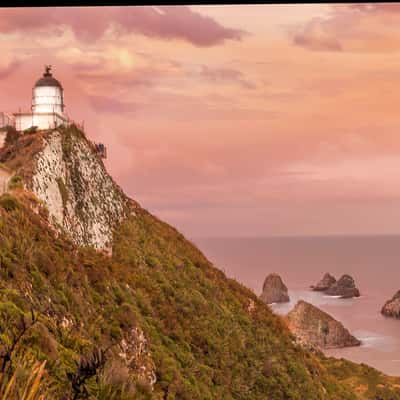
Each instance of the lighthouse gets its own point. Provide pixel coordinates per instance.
(47, 109)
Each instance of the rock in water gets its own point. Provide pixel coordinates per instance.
(274, 290)
(315, 327)
(345, 287)
(325, 283)
(392, 306)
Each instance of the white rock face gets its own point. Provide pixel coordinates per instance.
(81, 197)
(49, 169)
(135, 353)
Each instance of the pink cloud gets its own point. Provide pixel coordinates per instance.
(314, 36)
(225, 74)
(353, 27)
(178, 22)
(89, 24)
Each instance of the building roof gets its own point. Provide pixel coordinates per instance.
(47, 79)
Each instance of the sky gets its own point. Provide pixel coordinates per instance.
(229, 120)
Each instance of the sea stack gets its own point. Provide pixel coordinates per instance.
(274, 290)
(345, 287)
(314, 327)
(392, 307)
(325, 283)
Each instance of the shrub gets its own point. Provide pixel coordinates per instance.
(16, 182)
(9, 203)
(152, 261)
(30, 130)
(126, 317)
(44, 340)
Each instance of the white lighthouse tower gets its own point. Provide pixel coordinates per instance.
(47, 105)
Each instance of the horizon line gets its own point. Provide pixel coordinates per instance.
(293, 236)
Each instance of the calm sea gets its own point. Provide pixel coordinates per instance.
(373, 261)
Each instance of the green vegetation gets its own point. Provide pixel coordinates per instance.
(19, 153)
(69, 138)
(9, 202)
(367, 382)
(71, 307)
(16, 182)
(32, 129)
(25, 384)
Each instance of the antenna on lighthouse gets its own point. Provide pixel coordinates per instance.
(48, 69)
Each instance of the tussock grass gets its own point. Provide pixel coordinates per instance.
(21, 386)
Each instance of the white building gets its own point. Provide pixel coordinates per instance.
(47, 105)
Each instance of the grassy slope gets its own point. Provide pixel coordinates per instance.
(205, 342)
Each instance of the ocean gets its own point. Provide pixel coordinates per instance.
(373, 261)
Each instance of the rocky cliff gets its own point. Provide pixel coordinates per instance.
(315, 327)
(64, 171)
(392, 307)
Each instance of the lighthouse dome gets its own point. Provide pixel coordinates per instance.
(47, 79)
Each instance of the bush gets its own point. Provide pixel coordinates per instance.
(32, 129)
(16, 182)
(126, 317)
(152, 261)
(9, 203)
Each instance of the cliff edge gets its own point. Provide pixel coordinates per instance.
(62, 168)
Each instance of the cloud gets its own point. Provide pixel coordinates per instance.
(353, 27)
(178, 22)
(89, 24)
(314, 36)
(222, 74)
